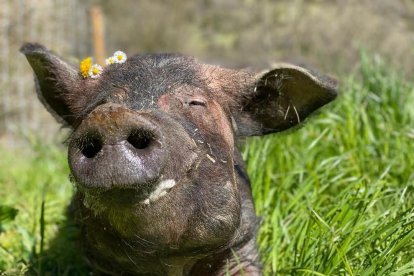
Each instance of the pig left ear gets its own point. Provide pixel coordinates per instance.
(282, 98)
(56, 82)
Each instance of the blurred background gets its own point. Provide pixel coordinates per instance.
(327, 35)
(335, 198)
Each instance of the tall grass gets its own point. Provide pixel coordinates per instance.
(34, 183)
(336, 197)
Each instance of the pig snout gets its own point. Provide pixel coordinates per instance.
(117, 148)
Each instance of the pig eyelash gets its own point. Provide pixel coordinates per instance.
(197, 103)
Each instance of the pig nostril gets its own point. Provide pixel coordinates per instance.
(91, 148)
(140, 139)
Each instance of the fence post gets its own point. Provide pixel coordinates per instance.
(98, 32)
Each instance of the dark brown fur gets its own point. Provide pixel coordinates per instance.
(164, 117)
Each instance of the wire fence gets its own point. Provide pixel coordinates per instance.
(58, 24)
(325, 34)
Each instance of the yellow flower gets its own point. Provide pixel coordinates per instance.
(120, 57)
(95, 71)
(84, 66)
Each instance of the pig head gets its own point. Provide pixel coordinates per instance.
(161, 188)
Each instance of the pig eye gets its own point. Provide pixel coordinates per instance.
(197, 103)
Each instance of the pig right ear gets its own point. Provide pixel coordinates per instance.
(56, 82)
(282, 98)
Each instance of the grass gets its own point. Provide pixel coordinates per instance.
(36, 187)
(336, 197)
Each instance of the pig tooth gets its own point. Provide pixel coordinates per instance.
(161, 190)
(147, 201)
(158, 196)
(167, 184)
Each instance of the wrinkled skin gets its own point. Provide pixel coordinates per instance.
(161, 186)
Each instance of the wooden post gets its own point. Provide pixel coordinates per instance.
(98, 34)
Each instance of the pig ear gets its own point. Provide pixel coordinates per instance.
(282, 98)
(56, 81)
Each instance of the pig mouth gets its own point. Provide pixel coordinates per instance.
(142, 194)
(131, 196)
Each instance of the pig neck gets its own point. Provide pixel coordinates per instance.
(241, 257)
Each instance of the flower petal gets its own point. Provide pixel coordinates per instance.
(120, 57)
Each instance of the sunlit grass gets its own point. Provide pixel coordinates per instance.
(336, 197)
(35, 183)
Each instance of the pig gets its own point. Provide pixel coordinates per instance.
(160, 185)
